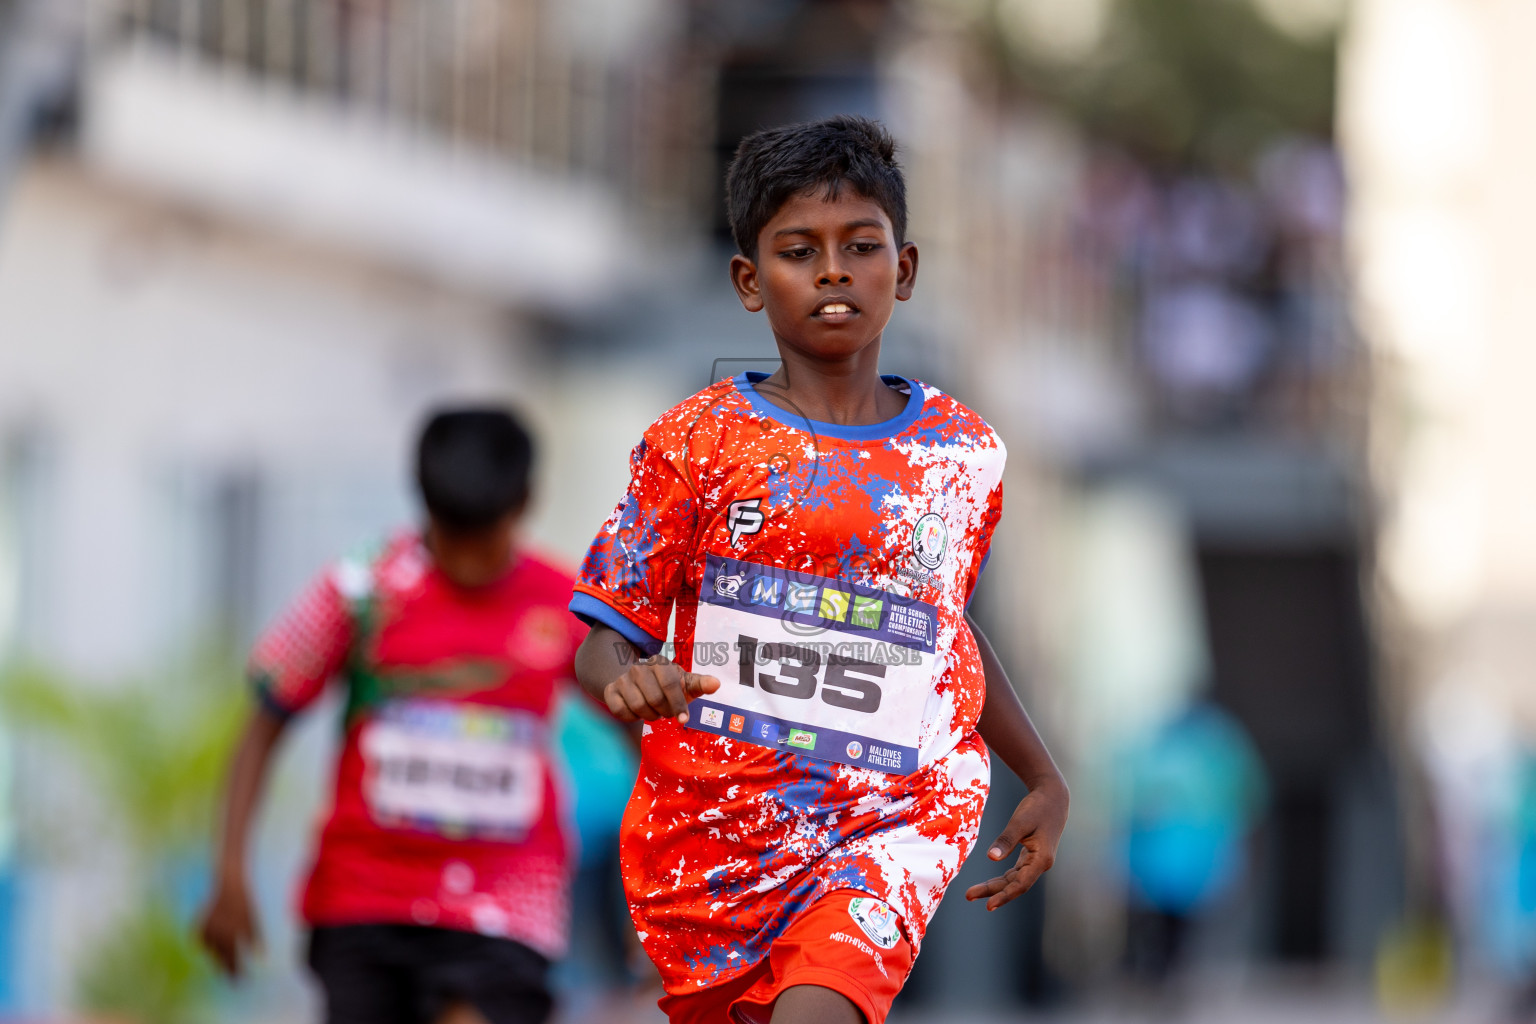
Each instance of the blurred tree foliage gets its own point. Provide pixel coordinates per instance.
(148, 970)
(1181, 81)
(153, 757)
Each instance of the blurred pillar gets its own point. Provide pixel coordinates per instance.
(1438, 99)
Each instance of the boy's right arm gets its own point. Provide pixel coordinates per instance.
(634, 687)
(228, 927)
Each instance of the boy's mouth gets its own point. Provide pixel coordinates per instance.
(836, 310)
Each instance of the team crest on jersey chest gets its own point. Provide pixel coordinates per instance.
(930, 541)
(927, 548)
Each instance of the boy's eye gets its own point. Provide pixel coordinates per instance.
(865, 248)
(799, 252)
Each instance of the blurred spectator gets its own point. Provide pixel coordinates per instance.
(1231, 283)
(1484, 783)
(1506, 870)
(1205, 347)
(1212, 228)
(1513, 892)
(1192, 793)
(10, 939)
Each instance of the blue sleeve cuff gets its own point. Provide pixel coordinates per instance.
(597, 613)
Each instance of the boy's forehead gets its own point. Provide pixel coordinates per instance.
(818, 208)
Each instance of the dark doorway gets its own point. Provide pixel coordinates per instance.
(1291, 660)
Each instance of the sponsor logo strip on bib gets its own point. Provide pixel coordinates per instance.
(816, 604)
(811, 665)
(799, 738)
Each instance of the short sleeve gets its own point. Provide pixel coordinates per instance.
(295, 658)
(636, 567)
(989, 520)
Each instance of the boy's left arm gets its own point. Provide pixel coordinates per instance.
(1037, 822)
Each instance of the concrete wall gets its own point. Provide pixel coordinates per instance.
(151, 361)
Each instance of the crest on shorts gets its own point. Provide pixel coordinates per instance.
(877, 920)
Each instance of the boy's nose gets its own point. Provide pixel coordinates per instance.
(833, 274)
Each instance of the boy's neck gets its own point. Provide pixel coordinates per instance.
(473, 559)
(849, 392)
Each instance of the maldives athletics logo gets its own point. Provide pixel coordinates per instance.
(876, 919)
(930, 539)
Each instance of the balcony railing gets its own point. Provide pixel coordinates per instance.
(503, 77)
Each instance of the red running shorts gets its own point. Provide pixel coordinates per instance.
(847, 941)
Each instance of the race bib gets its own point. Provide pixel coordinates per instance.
(457, 769)
(813, 665)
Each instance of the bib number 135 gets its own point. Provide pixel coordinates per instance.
(844, 682)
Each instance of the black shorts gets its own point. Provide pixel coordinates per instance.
(406, 974)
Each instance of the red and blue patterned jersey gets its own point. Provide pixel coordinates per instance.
(447, 810)
(821, 572)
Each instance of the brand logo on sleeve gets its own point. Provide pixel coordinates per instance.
(712, 717)
(744, 518)
(930, 539)
(877, 920)
(802, 739)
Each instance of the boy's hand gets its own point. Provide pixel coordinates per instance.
(655, 689)
(1036, 828)
(228, 929)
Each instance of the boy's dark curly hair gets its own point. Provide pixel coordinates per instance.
(774, 164)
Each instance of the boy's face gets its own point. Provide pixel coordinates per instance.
(828, 273)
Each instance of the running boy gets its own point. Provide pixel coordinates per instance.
(819, 533)
(441, 878)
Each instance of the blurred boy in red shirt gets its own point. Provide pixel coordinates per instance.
(441, 877)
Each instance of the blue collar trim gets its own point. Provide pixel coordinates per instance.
(863, 432)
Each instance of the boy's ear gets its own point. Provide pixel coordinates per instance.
(906, 271)
(744, 280)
